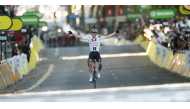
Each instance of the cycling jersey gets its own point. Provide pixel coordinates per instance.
(94, 43)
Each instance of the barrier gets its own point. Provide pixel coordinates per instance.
(6, 75)
(142, 41)
(163, 57)
(37, 43)
(151, 51)
(14, 68)
(33, 59)
(24, 62)
(186, 61)
(177, 64)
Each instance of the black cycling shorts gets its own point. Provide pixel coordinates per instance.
(94, 55)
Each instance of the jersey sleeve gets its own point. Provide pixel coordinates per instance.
(86, 37)
(101, 37)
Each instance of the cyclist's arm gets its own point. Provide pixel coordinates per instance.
(85, 38)
(109, 35)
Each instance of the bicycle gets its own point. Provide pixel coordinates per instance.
(92, 68)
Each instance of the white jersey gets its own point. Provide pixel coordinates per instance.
(94, 43)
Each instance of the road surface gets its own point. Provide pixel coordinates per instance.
(65, 69)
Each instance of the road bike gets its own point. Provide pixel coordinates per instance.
(92, 68)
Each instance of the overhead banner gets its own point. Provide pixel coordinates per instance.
(143, 8)
(17, 24)
(33, 13)
(30, 20)
(133, 16)
(162, 14)
(5, 22)
(42, 23)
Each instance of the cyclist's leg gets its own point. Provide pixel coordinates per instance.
(99, 62)
(91, 68)
(89, 61)
(90, 65)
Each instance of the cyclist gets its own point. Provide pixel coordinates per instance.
(94, 44)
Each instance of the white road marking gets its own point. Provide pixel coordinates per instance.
(43, 59)
(41, 80)
(104, 56)
(105, 90)
(56, 51)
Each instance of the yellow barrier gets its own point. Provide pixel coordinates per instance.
(14, 68)
(178, 64)
(25, 65)
(186, 62)
(22, 64)
(12, 62)
(3, 83)
(37, 43)
(33, 59)
(6, 76)
(151, 51)
(169, 59)
(36, 46)
(163, 57)
(142, 41)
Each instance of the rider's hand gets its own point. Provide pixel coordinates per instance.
(117, 31)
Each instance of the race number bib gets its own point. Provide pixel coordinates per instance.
(94, 48)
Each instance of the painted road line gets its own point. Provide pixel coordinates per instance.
(41, 80)
(104, 56)
(43, 59)
(172, 86)
(56, 51)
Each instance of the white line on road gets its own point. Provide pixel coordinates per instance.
(41, 80)
(172, 86)
(104, 56)
(56, 51)
(43, 59)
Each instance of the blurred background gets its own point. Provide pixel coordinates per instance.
(61, 25)
(151, 47)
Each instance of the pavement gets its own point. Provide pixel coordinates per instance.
(65, 69)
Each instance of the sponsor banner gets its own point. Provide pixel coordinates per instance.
(32, 20)
(17, 24)
(5, 22)
(162, 14)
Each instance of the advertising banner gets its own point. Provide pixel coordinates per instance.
(162, 14)
(5, 22)
(17, 24)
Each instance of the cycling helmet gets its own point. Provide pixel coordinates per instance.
(94, 30)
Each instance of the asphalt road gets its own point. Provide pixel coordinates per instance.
(66, 69)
